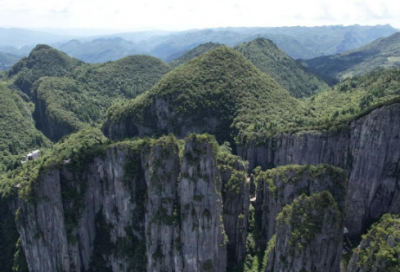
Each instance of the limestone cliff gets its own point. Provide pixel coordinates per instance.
(309, 236)
(368, 148)
(280, 186)
(235, 193)
(141, 205)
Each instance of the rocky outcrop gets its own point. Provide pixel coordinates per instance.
(309, 236)
(160, 117)
(368, 148)
(278, 187)
(236, 200)
(379, 249)
(11, 254)
(141, 206)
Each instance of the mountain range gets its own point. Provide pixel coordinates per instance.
(382, 53)
(228, 158)
(297, 42)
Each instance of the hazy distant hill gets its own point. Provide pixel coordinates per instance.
(100, 50)
(297, 42)
(20, 52)
(384, 52)
(328, 40)
(195, 52)
(7, 60)
(20, 37)
(171, 44)
(290, 45)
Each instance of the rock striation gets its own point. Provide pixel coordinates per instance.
(308, 237)
(143, 205)
(280, 186)
(368, 148)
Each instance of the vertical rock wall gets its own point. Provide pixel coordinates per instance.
(368, 148)
(138, 207)
(308, 237)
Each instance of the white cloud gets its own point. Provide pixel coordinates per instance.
(187, 14)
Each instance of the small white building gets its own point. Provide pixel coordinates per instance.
(31, 156)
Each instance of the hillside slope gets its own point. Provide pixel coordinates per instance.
(42, 61)
(100, 50)
(219, 92)
(18, 133)
(265, 55)
(66, 104)
(384, 52)
(69, 94)
(353, 97)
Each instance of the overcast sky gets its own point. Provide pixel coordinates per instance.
(188, 14)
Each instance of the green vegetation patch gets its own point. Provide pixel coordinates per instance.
(266, 56)
(306, 216)
(18, 133)
(220, 84)
(380, 247)
(354, 97)
(42, 61)
(75, 151)
(293, 173)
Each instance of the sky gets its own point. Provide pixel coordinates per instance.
(127, 15)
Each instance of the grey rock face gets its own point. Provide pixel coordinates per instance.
(236, 198)
(280, 186)
(369, 149)
(141, 209)
(202, 231)
(161, 117)
(59, 231)
(309, 236)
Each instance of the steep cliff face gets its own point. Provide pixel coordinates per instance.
(368, 148)
(280, 186)
(139, 206)
(380, 248)
(236, 200)
(12, 257)
(61, 231)
(309, 236)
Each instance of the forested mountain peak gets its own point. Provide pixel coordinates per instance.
(42, 61)
(43, 55)
(273, 61)
(219, 92)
